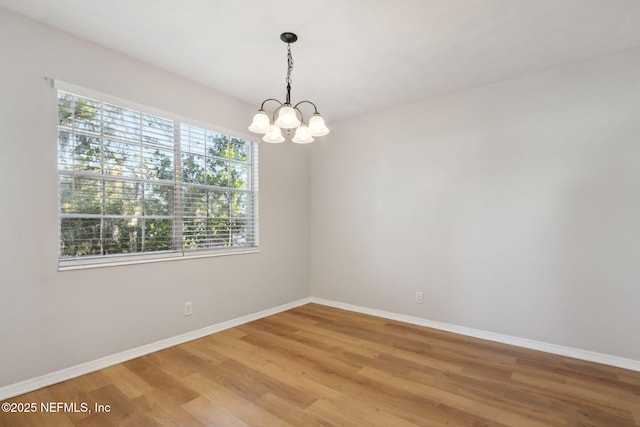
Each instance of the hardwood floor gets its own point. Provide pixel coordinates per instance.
(320, 366)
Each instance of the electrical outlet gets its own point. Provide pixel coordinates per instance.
(188, 308)
(419, 297)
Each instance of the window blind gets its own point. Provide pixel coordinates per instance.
(136, 183)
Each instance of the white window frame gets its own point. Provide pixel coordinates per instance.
(93, 261)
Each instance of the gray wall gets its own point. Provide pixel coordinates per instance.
(514, 207)
(51, 320)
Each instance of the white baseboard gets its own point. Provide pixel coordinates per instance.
(32, 384)
(576, 353)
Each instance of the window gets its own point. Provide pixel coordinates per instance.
(135, 186)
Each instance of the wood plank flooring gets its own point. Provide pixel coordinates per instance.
(320, 366)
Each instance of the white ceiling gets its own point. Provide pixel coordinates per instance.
(352, 56)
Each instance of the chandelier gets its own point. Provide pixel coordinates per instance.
(286, 116)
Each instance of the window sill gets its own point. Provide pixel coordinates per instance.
(120, 260)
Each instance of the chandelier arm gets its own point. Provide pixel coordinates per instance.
(269, 99)
(308, 102)
(275, 112)
(298, 110)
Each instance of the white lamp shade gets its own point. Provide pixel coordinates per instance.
(317, 126)
(287, 118)
(302, 135)
(274, 136)
(260, 123)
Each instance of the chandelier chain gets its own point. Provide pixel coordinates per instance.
(289, 64)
